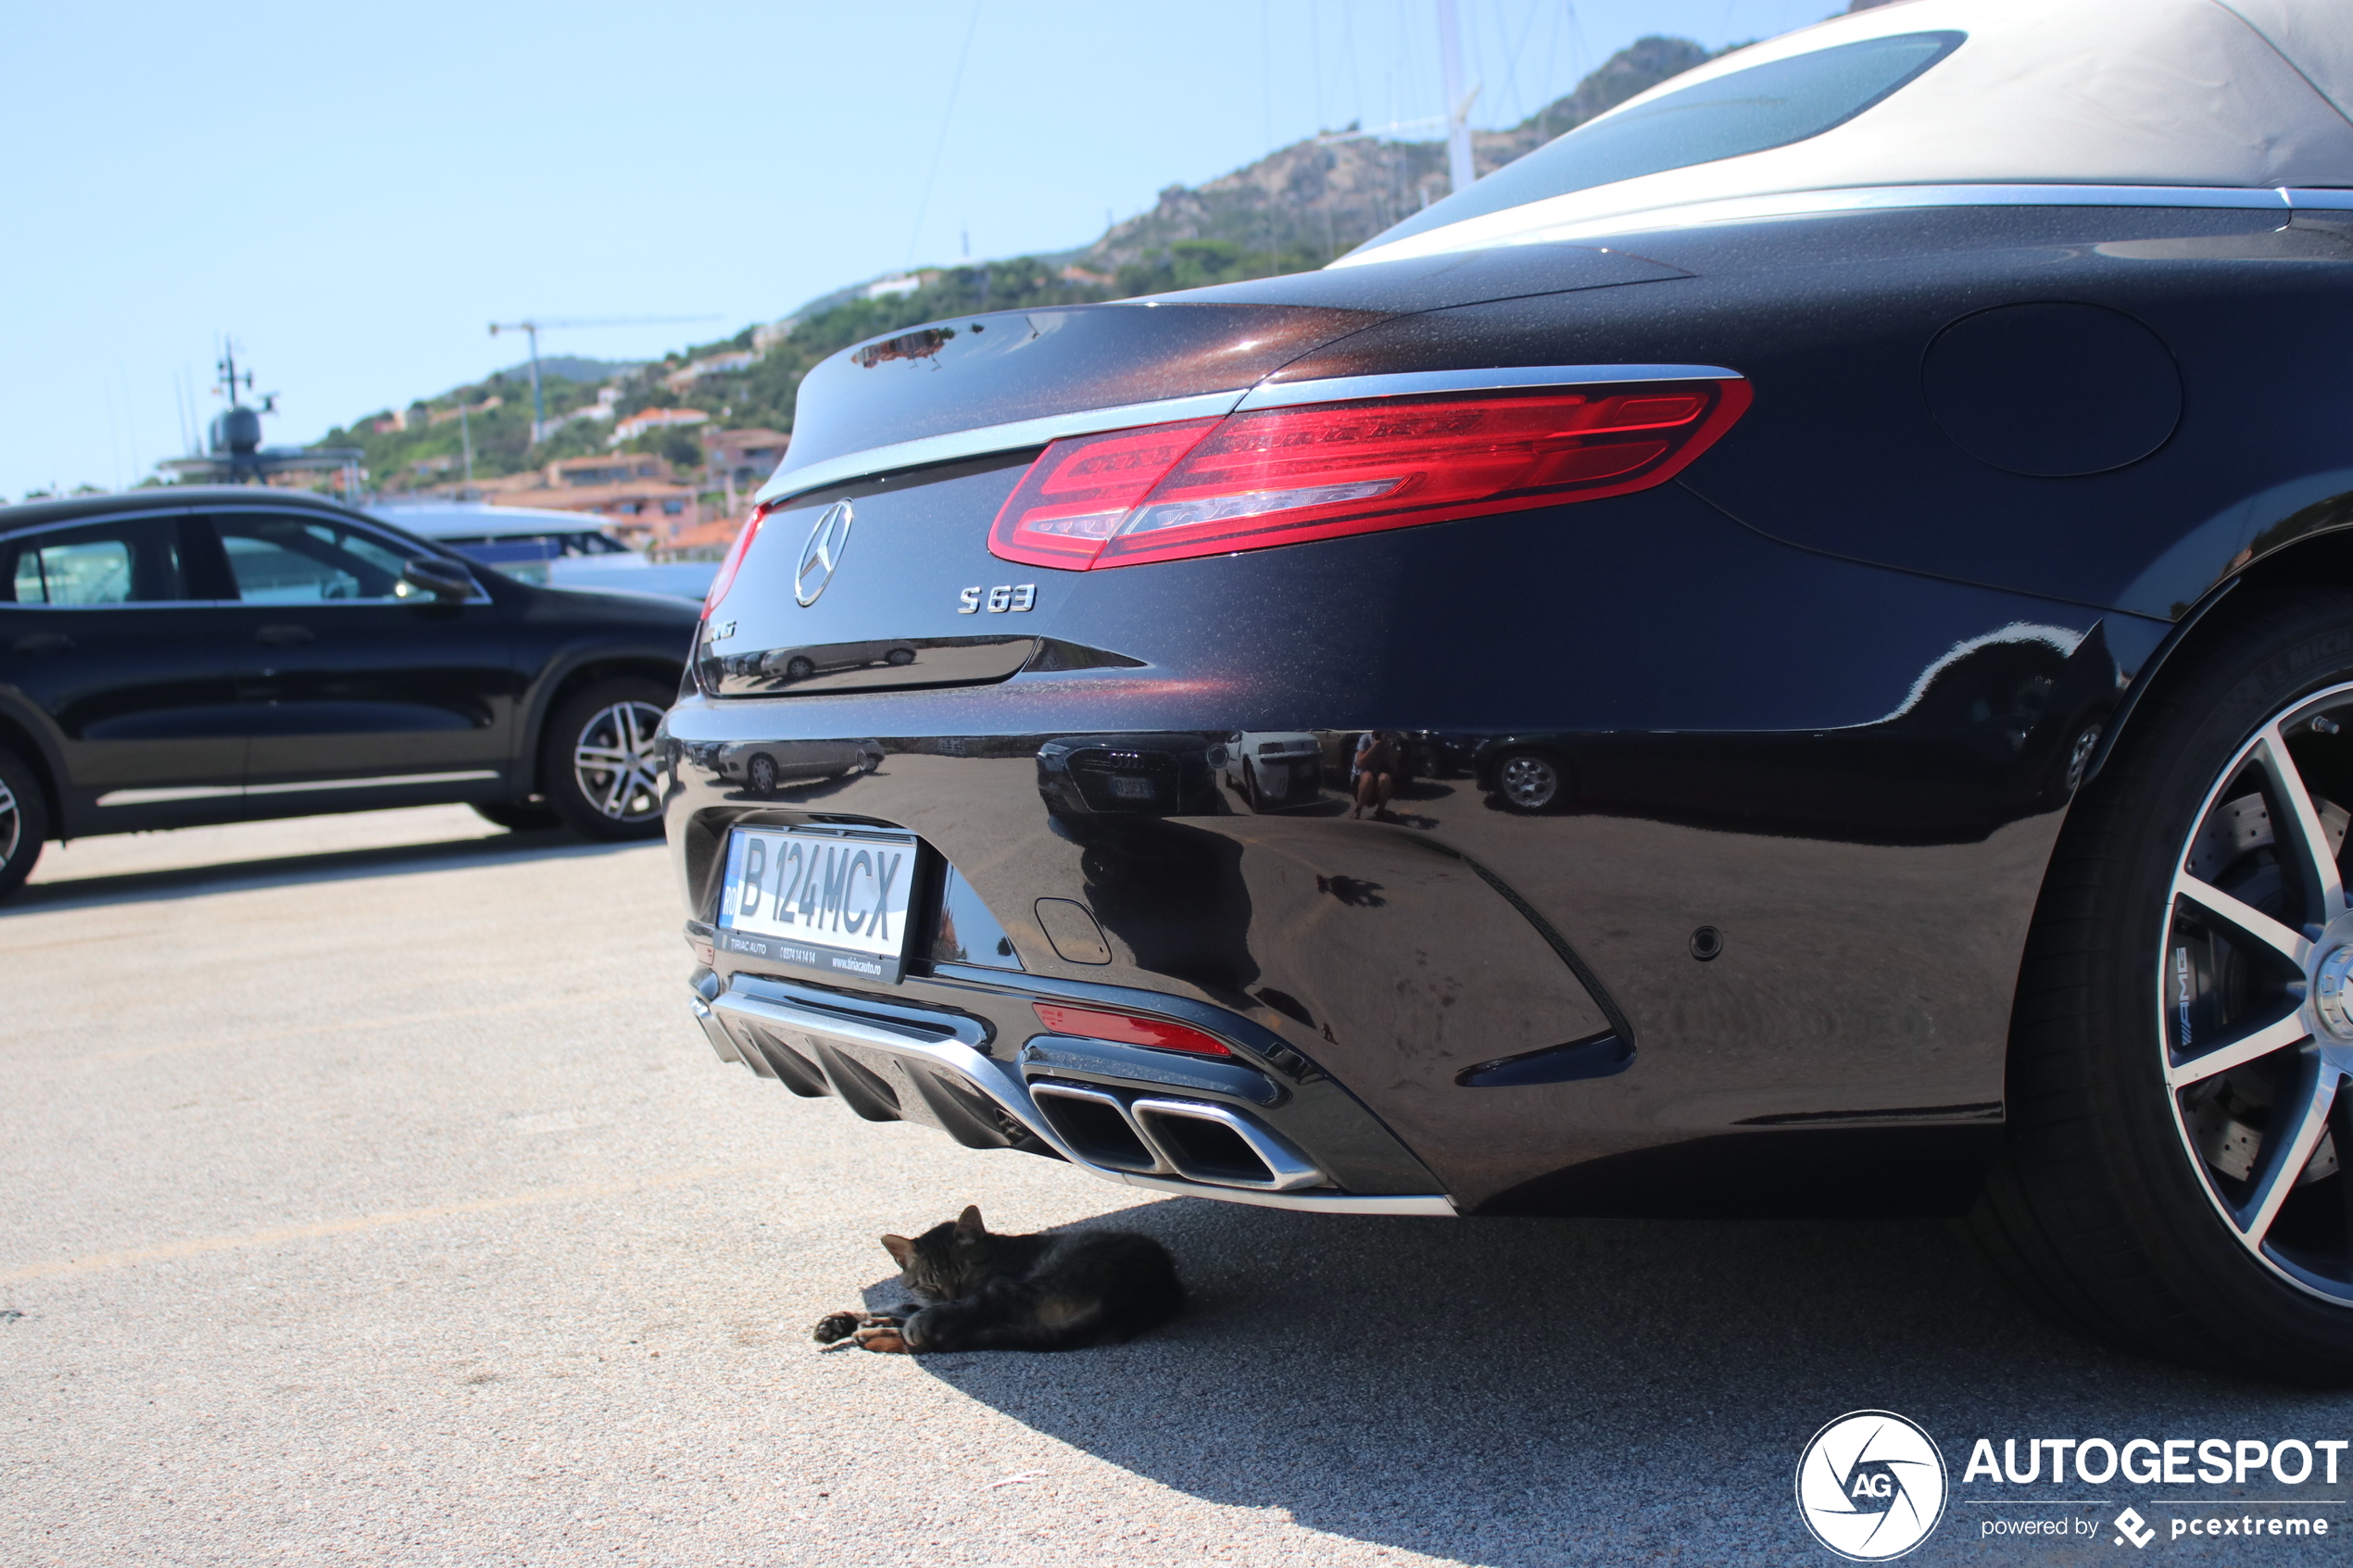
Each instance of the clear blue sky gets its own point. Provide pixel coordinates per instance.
(353, 192)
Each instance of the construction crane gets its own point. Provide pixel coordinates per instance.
(533, 329)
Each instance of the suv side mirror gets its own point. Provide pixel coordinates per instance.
(443, 580)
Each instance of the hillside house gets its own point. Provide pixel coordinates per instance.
(634, 492)
(744, 458)
(711, 365)
(645, 420)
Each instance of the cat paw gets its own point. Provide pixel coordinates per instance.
(884, 1335)
(836, 1326)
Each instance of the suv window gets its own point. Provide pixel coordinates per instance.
(129, 560)
(1743, 111)
(282, 558)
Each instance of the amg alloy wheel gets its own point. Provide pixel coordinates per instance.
(2255, 1017)
(1528, 783)
(600, 766)
(2176, 1099)
(24, 823)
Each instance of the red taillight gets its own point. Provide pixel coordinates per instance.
(732, 560)
(1078, 493)
(1129, 1029)
(1284, 476)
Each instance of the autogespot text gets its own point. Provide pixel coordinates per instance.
(2146, 1462)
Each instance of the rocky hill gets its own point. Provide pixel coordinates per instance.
(1322, 198)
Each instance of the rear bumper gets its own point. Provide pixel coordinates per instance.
(955, 1073)
(1851, 776)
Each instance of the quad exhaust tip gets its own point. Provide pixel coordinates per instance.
(1193, 1139)
(884, 1070)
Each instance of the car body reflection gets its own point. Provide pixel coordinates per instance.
(1271, 768)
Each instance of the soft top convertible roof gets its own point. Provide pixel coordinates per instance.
(2239, 94)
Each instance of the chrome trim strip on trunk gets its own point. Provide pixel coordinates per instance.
(1342, 389)
(1859, 198)
(986, 439)
(979, 443)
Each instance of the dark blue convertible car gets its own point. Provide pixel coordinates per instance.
(1871, 524)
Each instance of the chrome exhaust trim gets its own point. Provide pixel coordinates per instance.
(1435, 1206)
(715, 1032)
(1285, 1169)
(932, 1071)
(1147, 1160)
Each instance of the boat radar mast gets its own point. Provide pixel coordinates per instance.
(235, 455)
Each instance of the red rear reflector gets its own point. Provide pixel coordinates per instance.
(732, 560)
(1284, 476)
(1129, 1029)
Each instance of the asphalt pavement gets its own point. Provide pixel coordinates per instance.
(366, 1196)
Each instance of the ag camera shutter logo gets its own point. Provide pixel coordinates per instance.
(1870, 1485)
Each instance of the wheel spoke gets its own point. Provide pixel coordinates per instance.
(8, 800)
(2302, 835)
(2244, 919)
(618, 761)
(2276, 1036)
(2287, 1146)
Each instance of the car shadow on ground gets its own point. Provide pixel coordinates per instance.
(1518, 1392)
(286, 871)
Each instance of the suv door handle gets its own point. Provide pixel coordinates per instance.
(275, 635)
(43, 642)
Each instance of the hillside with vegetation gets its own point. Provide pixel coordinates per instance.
(1298, 208)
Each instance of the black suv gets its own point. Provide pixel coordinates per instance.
(209, 655)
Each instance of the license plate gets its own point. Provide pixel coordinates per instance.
(831, 899)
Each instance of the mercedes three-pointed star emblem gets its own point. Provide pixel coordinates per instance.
(822, 554)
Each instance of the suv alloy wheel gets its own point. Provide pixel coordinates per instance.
(598, 762)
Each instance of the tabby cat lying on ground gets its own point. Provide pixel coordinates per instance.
(987, 1292)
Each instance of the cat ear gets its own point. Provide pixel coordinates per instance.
(968, 1222)
(900, 1250)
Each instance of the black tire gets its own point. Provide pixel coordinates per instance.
(1528, 782)
(24, 821)
(597, 763)
(2146, 1193)
(760, 774)
(519, 816)
(1250, 788)
(798, 668)
(898, 659)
